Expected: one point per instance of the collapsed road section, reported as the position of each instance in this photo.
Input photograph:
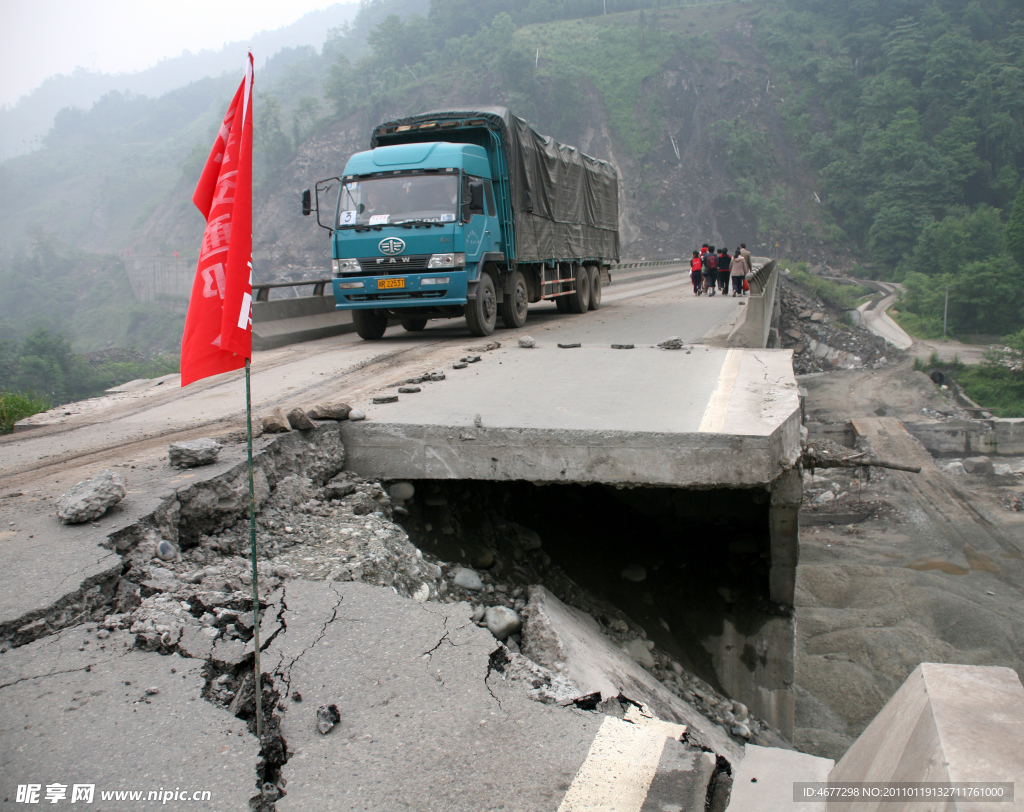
(696, 447)
(154, 675)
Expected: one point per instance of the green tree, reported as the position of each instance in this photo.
(945, 246)
(1014, 234)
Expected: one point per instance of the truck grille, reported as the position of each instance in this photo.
(388, 266)
(380, 297)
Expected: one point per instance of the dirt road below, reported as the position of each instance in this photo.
(900, 568)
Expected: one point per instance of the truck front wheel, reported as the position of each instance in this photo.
(412, 326)
(482, 312)
(370, 324)
(579, 299)
(515, 304)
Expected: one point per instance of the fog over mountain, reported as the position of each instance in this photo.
(23, 125)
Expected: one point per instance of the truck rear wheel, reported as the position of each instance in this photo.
(414, 325)
(579, 299)
(370, 324)
(482, 312)
(595, 287)
(515, 305)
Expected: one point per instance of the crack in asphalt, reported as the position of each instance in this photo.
(46, 676)
(286, 674)
(430, 652)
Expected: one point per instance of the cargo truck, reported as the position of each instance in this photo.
(466, 213)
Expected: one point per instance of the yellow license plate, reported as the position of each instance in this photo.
(384, 284)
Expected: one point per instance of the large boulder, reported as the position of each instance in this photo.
(329, 411)
(979, 465)
(299, 421)
(91, 499)
(275, 422)
(193, 453)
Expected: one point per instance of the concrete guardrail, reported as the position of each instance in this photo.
(758, 322)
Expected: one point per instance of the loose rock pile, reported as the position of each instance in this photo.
(820, 340)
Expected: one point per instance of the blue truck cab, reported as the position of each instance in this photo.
(424, 227)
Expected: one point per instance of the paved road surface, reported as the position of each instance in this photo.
(130, 431)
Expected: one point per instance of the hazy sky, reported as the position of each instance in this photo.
(39, 38)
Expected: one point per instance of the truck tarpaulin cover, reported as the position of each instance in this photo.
(565, 203)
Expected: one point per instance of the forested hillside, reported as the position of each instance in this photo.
(911, 114)
(876, 137)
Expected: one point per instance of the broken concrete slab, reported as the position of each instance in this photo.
(725, 418)
(763, 781)
(570, 643)
(75, 709)
(436, 676)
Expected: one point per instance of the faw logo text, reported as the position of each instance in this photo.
(392, 260)
(391, 245)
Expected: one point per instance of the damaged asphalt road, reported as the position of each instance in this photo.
(411, 683)
(148, 688)
(424, 723)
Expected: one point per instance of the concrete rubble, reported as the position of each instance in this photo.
(193, 453)
(92, 498)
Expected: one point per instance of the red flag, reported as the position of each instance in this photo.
(218, 325)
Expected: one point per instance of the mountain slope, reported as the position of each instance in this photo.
(24, 124)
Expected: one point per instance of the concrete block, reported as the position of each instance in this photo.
(946, 723)
(763, 781)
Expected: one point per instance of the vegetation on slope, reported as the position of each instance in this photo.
(910, 114)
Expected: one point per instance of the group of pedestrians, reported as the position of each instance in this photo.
(711, 270)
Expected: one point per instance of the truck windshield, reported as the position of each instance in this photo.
(401, 199)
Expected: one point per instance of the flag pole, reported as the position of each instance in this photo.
(258, 683)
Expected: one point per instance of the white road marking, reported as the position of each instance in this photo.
(618, 770)
(642, 716)
(718, 406)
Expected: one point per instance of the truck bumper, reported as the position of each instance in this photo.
(412, 292)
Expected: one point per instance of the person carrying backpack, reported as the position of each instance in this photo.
(696, 267)
(710, 271)
(724, 261)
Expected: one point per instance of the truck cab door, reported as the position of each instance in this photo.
(480, 228)
(493, 226)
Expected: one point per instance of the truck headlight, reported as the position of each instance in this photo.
(349, 285)
(340, 266)
(446, 261)
(435, 280)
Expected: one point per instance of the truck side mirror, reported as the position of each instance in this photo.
(307, 203)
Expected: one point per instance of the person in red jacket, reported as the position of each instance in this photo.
(696, 270)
